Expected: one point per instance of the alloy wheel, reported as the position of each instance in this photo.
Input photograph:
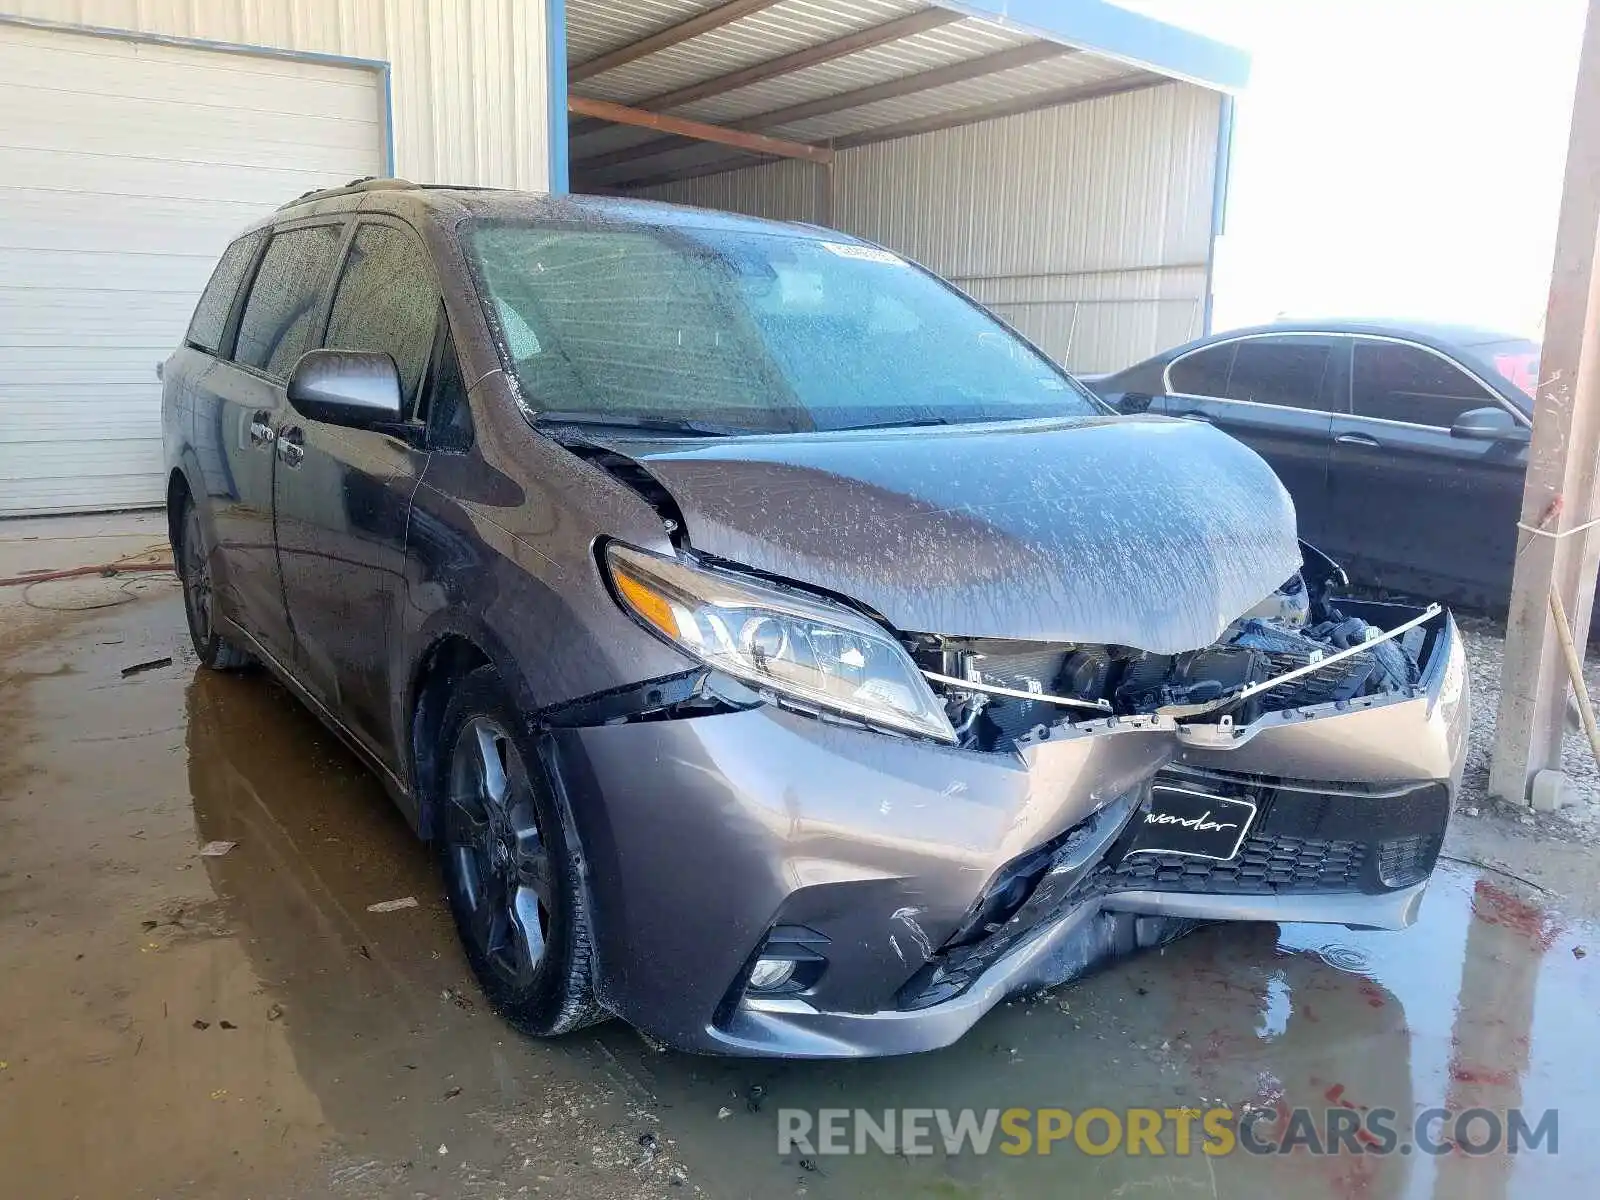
(500, 867)
(196, 576)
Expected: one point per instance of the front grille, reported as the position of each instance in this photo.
(1267, 864)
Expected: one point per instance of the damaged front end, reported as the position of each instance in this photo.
(970, 722)
(1294, 650)
(880, 890)
(1282, 798)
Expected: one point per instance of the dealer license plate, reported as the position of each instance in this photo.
(1196, 824)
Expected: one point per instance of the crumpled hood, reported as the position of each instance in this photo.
(1134, 531)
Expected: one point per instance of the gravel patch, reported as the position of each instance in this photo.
(1485, 643)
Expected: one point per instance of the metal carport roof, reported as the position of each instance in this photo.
(805, 77)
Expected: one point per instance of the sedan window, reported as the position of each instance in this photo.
(1281, 372)
(1516, 360)
(1203, 373)
(1396, 382)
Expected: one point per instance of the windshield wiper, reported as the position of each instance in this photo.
(905, 423)
(650, 424)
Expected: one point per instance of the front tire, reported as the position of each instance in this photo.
(193, 561)
(508, 858)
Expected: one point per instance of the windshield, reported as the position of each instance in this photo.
(1516, 360)
(748, 331)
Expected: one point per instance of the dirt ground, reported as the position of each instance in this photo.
(175, 1023)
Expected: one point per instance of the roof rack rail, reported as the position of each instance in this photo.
(367, 183)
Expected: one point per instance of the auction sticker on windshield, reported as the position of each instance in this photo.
(1196, 824)
(864, 253)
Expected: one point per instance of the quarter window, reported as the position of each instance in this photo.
(1205, 372)
(285, 299)
(1276, 371)
(386, 303)
(449, 417)
(1405, 383)
(216, 302)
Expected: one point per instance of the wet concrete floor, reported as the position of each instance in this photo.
(180, 1025)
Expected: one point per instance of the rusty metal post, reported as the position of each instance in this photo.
(1560, 494)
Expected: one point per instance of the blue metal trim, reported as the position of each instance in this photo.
(381, 66)
(1103, 28)
(555, 25)
(1219, 200)
(193, 43)
(386, 81)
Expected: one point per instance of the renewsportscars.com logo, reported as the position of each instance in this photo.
(1166, 1131)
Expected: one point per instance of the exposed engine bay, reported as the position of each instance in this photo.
(1294, 649)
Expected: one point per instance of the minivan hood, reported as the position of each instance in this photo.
(1133, 531)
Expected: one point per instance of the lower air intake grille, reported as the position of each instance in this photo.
(1407, 860)
(1268, 863)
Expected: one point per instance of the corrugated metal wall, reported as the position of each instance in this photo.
(468, 76)
(1086, 226)
(790, 189)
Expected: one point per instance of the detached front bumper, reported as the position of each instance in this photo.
(931, 882)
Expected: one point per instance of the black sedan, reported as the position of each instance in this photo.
(1404, 446)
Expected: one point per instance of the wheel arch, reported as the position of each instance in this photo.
(178, 487)
(452, 655)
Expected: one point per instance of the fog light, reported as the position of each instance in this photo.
(770, 973)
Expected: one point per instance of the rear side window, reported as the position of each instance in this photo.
(285, 300)
(216, 302)
(1205, 372)
(1405, 383)
(386, 303)
(1272, 371)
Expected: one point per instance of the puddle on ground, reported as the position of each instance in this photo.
(179, 1025)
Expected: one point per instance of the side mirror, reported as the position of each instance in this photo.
(346, 387)
(1490, 425)
(1132, 403)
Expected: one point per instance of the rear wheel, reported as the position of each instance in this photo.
(507, 856)
(194, 569)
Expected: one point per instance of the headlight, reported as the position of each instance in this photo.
(818, 653)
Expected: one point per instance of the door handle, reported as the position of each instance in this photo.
(1195, 416)
(1356, 439)
(291, 445)
(261, 428)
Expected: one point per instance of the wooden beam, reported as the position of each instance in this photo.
(964, 116)
(957, 72)
(908, 85)
(715, 18)
(1561, 491)
(808, 56)
(754, 143)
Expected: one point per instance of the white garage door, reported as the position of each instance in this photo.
(125, 168)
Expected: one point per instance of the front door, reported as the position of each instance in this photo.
(246, 407)
(1273, 393)
(1416, 508)
(343, 495)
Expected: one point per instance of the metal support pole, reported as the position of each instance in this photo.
(1560, 491)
